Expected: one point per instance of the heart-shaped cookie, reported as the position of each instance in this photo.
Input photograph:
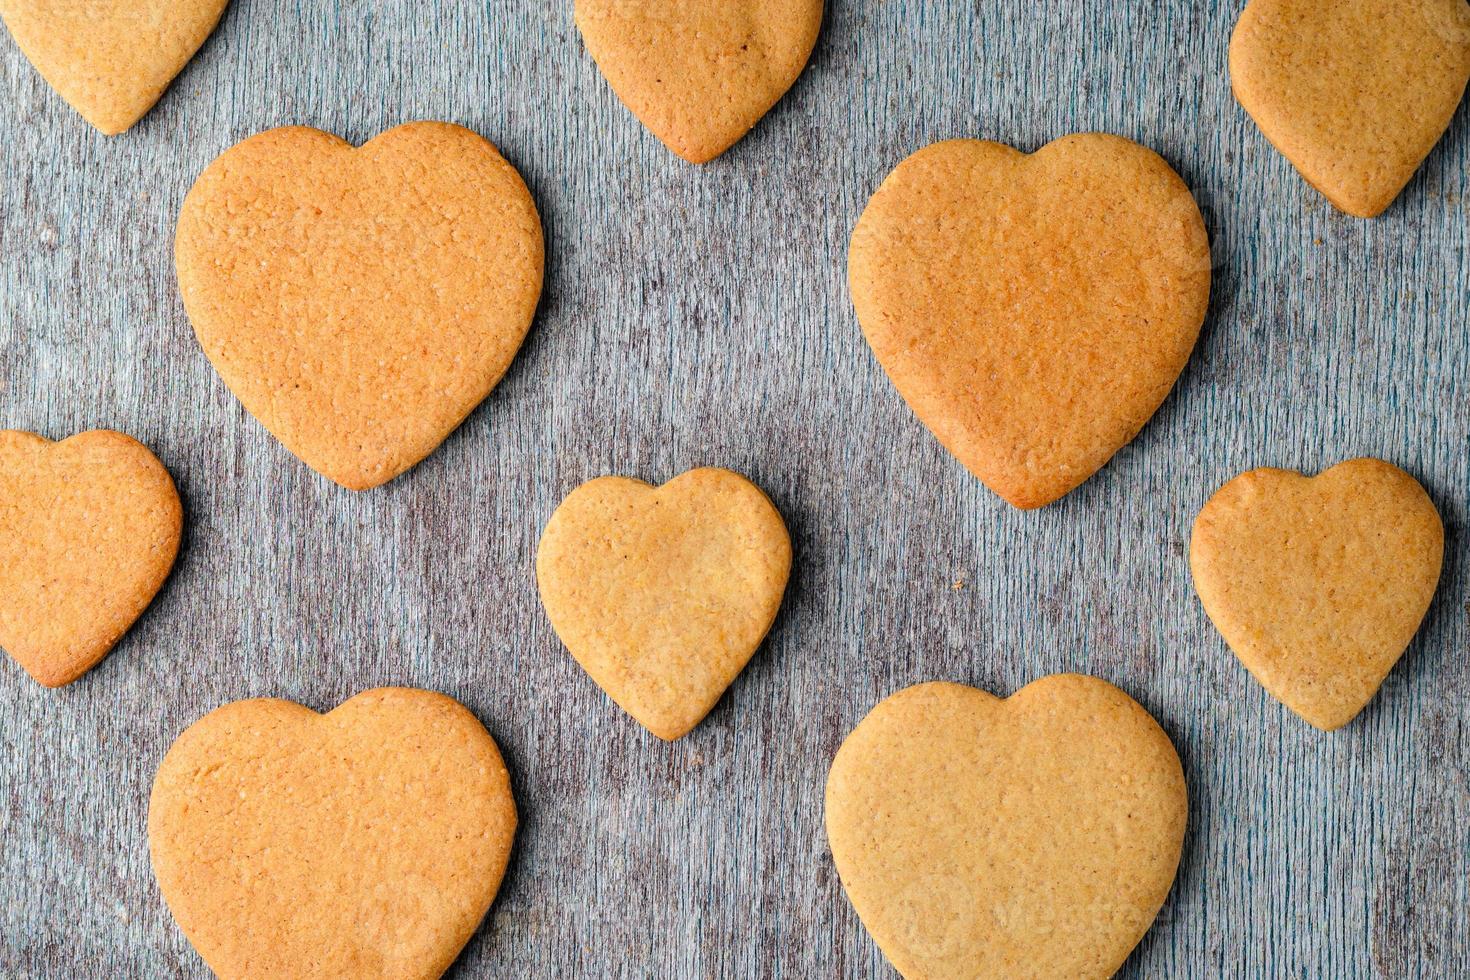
(366, 842)
(360, 302)
(663, 593)
(1318, 584)
(700, 73)
(110, 61)
(1035, 836)
(1033, 311)
(89, 528)
(1355, 93)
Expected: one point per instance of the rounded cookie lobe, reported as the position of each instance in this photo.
(700, 73)
(89, 529)
(366, 842)
(1036, 836)
(663, 594)
(360, 302)
(1355, 93)
(1319, 583)
(1033, 310)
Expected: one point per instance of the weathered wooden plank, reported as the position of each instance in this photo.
(701, 316)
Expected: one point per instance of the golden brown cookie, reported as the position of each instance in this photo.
(1035, 836)
(89, 528)
(700, 73)
(360, 302)
(1318, 584)
(663, 593)
(1355, 93)
(1033, 310)
(365, 842)
(110, 60)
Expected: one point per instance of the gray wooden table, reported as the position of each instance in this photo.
(700, 316)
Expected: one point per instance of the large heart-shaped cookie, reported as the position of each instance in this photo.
(700, 73)
(1355, 93)
(1318, 584)
(89, 528)
(663, 593)
(110, 60)
(366, 842)
(1032, 837)
(360, 302)
(1033, 311)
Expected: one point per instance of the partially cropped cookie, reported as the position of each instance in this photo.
(89, 529)
(662, 594)
(700, 73)
(360, 302)
(1035, 836)
(1355, 93)
(1319, 583)
(367, 842)
(1033, 310)
(110, 61)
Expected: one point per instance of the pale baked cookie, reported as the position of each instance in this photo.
(110, 59)
(1355, 93)
(699, 73)
(360, 302)
(89, 528)
(663, 593)
(1318, 584)
(1035, 836)
(366, 842)
(1033, 310)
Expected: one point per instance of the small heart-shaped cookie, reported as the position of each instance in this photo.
(89, 528)
(1355, 93)
(1035, 836)
(1318, 584)
(366, 842)
(1033, 311)
(360, 302)
(700, 73)
(663, 593)
(110, 61)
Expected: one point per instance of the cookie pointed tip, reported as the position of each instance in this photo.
(52, 678)
(668, 731)
(109, 123)
(699, 156)
(1325, 721)
(1026, 499)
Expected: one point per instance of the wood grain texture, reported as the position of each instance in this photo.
(700, 317)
